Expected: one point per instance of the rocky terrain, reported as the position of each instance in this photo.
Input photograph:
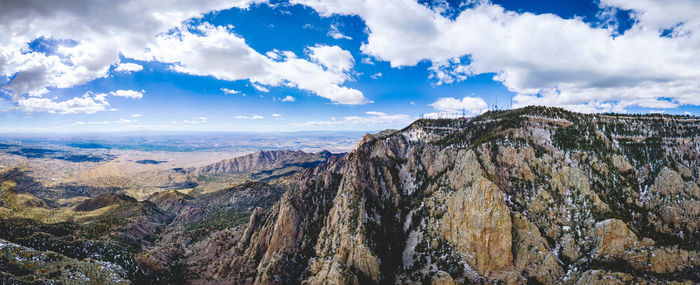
(533, 195)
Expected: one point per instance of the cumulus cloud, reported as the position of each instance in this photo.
(128, 94)
(87, 40)
(128, 67)
(288, 99)
(332, 57)
(89, 103)
(210, 50)
(253, 117)
(470, 105)
(544, 59)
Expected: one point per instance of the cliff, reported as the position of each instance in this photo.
(529, 195)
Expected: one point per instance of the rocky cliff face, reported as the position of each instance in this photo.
(530, 195)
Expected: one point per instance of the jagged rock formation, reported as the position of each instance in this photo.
(530, 195)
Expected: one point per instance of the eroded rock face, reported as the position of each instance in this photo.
(530, 195)
(477, 222)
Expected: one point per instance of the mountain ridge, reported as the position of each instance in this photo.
(263, 160)
(474, 197)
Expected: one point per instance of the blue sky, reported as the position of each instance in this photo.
(338, 65)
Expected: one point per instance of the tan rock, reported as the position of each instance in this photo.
(613, 238)
(477, 222)
(532, 257)
(604, 277)
(677, 201)
(332, 273)
(621, 164)
(442, 278)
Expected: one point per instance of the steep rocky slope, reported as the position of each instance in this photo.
(536, 195)
(114, 238)
(265, 163)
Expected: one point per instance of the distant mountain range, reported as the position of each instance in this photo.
(265, 163)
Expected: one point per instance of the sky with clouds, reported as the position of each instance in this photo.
(270, 66)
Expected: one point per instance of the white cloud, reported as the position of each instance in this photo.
(374, 119)
(288, 99)
(210, 51)
(336, 34)
(253, 117)
(196, 120)
(681, 15)
(136, 115)
(376, 75)
(470, 105)
(231, 91)
(332, 57)
(543, 58)
(128, 94)
(89, 40)
(276, 115)
(260, 88)
(120, 121)
(273, 54)
(128, 67)
(89, 103)
(78, 123)
(124, 121)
